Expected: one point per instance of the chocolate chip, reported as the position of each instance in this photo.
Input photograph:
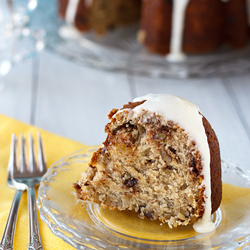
(145, 213)
(169, 167)
(193, 163)
(148, 215)
(131, 182)
(127, 126)
(172, 150)
(193, 167)
(76, 186)
(93, 167)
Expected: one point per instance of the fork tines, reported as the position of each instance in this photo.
(34, 168)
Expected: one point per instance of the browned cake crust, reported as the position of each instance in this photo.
(155, 30)
(204, 25)
(215, 165)
(237, 34)
(151, 168)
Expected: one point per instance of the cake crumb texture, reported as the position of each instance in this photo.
(152, 167)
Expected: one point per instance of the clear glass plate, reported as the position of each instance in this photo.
(119, 50)
(86, 226)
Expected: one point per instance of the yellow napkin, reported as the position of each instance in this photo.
(55, 148)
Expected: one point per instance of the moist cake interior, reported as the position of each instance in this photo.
(150, 167)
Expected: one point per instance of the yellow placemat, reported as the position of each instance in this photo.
(55, 148)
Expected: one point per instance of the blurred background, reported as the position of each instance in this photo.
(67, 83)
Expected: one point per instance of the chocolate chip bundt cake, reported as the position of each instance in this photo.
(161, 159)
(168, 27)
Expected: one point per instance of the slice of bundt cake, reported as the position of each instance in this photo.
(161, 158)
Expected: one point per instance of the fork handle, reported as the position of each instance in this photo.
(9, 231)
(35, 242)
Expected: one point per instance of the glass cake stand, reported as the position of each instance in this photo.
(119, 50)
(86, 226)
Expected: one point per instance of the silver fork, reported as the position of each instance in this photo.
(6, 242)
(30, 177)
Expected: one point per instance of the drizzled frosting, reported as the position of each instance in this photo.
(178, 16)
(71, 11)
(187, 115)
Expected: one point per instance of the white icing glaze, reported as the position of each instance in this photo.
(71, 11)
(186, 115)
(178, 18)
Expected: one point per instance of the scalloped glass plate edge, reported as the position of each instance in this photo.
(94, 239)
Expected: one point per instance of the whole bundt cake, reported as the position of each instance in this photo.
(171, 27)
(161, 159)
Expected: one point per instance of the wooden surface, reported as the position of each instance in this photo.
(73, 101)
